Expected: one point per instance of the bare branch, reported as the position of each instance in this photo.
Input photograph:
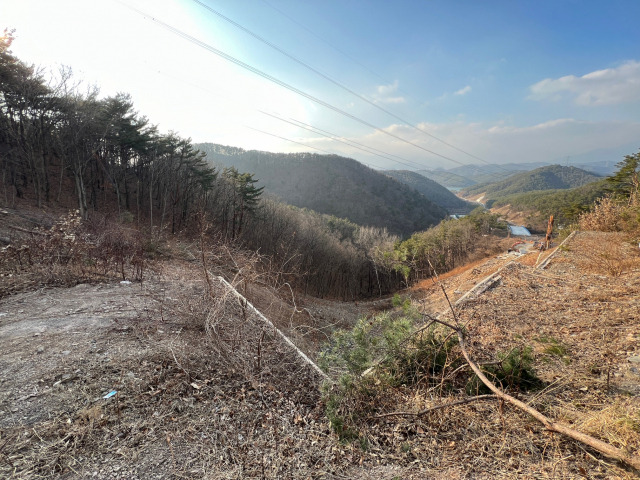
(602, 447)
(438, 407)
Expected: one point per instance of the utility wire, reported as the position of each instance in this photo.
(304, 145)
(351, 143)
(283, 84)
(318, 131)
(304, 27)
(415, 165)
(332, 80)
(294, 123)
(311, 128)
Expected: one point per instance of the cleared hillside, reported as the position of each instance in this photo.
(564, 204)
(552, 177)
(432, 190)
(333, 185)
(208, 391)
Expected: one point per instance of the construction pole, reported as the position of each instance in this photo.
(547, 239)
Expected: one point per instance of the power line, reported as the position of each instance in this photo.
(330, 79)
(351, 143)
(354, 60)
(283, 84)
(303, 144)
(367, 146)
(311, 128)
(289, 140)
(318, 131)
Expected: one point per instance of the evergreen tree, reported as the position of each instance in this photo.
(245, 197)
(626, 181)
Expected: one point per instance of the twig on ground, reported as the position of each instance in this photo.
(602, 447)
(438, 407)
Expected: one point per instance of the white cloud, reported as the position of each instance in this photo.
(384, 92)
(387, 89)
(392, 100)
(463, 91)
(603, 87)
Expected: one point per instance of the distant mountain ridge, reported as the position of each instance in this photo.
(333, 185)
(551, 177)
(433, 191)
(465, 176)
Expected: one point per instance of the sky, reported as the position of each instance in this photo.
(403, 84)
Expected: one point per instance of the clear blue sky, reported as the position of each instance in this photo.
(503, 81)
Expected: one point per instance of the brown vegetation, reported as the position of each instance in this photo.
(71, 252)
(581, 328)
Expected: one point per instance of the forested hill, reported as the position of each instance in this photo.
(544, 178)
(432, 190)
(334, 185)
(467, 175)
(447, 179)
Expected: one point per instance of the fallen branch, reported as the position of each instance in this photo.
(35, 232)
(437, 407)
(602, 447)
(247, 304)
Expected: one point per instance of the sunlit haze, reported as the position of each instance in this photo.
(545, 81)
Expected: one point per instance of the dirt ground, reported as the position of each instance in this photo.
(180, 410)
(184, 410)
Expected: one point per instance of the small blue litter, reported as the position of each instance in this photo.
(110, 394)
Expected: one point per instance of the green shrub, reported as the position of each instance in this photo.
(353, 351)
(404, 302)
(423, 358)
(553, 346)
(513, 371)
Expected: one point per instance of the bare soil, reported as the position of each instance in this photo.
(183, 411)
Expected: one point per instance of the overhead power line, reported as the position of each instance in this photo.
(333, 46)
(349, 142)
(303, 144)
(289, 140)
(337, 49)
(332, 80)
(283, 84)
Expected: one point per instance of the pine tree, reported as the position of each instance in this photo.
(245, 197)
(626, 181)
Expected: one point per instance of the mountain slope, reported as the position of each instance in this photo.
(334, 185)
(432, 190)
(565, 204)
(467, 175)
(447, 179)
(551, 177)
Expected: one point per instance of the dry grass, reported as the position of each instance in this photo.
(613, 258)
(183, 410)
(614, 215)
(582, 324)
(617, 424)
(72, 252)
(237, 404)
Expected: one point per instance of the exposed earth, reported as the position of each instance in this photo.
(182, 409)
